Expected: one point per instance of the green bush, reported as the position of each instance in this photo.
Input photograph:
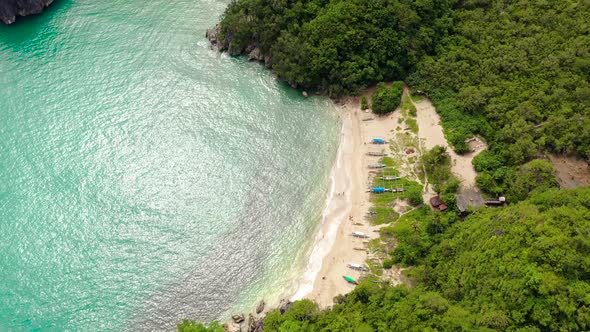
(486, 161)
(386, 99)
(337, 47)
(388, 263)
(415, 197)
(364, 103)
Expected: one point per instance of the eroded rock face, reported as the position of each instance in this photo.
(256, 54)
(10, 9)
(232, 327)
(223, 44)
(254, 324)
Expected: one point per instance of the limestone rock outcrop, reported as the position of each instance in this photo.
(10, 9)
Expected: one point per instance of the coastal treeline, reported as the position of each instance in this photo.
(338, 47)
(522, 268)
(514, 72)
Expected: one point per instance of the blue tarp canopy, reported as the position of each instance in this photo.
(378, 140)
(378, 190)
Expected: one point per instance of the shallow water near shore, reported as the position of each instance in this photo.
(144, 177)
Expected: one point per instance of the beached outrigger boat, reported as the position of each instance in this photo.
(390, 178)
(376, 154)
(360, 235)
(378, 141)
(377, 166)
(377, 190)
(357, 267)
(350, 280)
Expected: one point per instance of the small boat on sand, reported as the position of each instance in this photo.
(390, 178)
(357, 267)
(377, 166)
(360, 235)
(350, 280)
(378, 141)
(376, 154)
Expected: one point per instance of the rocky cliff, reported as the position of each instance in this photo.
(223, 43)
(10, 9)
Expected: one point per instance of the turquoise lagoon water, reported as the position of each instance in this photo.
(144, 177)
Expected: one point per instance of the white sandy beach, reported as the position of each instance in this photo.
(335, 247)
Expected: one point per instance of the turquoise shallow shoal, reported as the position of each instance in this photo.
(143, 176)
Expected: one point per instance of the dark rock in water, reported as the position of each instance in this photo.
(238, 318)
(260, 307)
(232, 50)
(10, 9)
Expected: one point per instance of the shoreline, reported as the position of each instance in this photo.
(334, 245)
(335, 210)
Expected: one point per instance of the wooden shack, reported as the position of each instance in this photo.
(435, 201)
(438, 204)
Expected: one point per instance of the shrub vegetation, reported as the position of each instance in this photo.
(386, 99)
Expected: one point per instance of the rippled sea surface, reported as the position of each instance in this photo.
(145, 178)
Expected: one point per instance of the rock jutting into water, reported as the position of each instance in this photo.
(10, 9)
(223, 43)
(238, 318)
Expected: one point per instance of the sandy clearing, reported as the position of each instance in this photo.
(571, 171)
(431, 134)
